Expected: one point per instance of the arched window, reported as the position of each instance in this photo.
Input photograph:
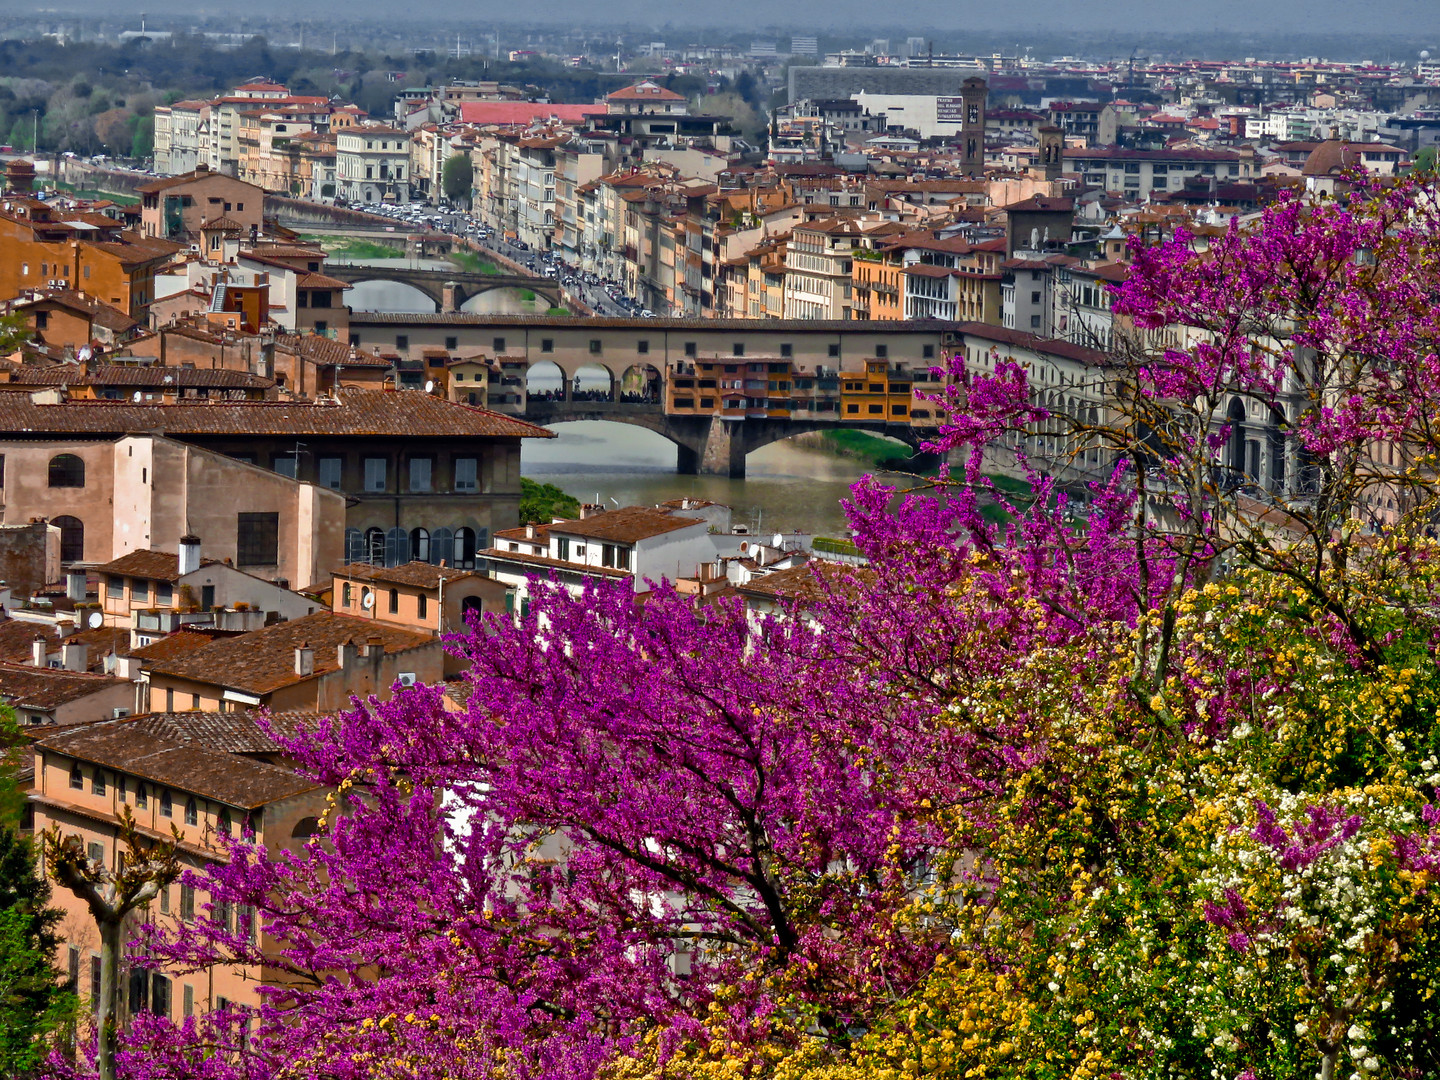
(67, 471)
(354, 546)
(440, 542)
(166, 807)
(77, 778)
(397, 547)
(347, 594)
(142, 796)
(306, 826)
(72, 538)
(470, 605)
(97, 785)
(464, 547)
(374, 547)
(192, 812)
(222, 824)
(420, 545)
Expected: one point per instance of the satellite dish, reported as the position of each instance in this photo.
(95, 621)
(777, 541)
(135, 397)
(429, 386)
(84, 353)
(367, 601)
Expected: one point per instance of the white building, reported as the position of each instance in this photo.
(372, 164)
(634, 543)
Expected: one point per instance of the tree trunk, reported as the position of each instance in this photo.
(107, 1010)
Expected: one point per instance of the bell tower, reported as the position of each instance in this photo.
(1052, 151)
(972, 126)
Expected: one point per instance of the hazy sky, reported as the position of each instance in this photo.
(1416, 21)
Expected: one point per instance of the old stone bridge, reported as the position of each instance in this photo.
(709, 445)
(449, 289)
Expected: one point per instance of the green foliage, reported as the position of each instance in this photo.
(456, 177)
(541, 504)
(14, 331)
(1424, 160)
(142, 142)
(33, 1005)
(14, 753)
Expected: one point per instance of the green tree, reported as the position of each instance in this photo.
(456, 177)
(1425, 158)
(541, 504)
(142, 144)
(33, 1004)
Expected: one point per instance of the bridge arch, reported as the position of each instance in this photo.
(365, 295)
(642, 384)
(592, 381)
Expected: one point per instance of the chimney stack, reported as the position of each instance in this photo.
(346, 654)
(189, 554)
(38, 651)
(74, 656)
(374, 648)
(305, 659)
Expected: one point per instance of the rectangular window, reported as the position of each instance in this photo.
(547, 345)
(642, 347)
(159, 995)
(374, 474)
(394, 601)
(452, 343)
(420, 470)
(737, 349)
(882, 352)
(467, 474)
(73, 985)
(499, 344)
(690, 349)
(188, 999)
(422, 606)
(284, 464)
(95, 852)
(927, 352)
(787, 350)
(596, 345)
(115, 588)
(562, 548)
(97, 785)
(330, 470)
(187, 901)
(257, 541)
(402, 341)
(166, 807)
(165, 900)
(834, 350)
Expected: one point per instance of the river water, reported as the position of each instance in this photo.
(788, 487)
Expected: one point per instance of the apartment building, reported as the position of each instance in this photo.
(49, 247)
(177, 136)
(818, 269)
(174, 208)
(205, 775)
(635, 544)
(372, 164)
(1139, 174)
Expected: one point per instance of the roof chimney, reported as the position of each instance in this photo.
(374, 647)
(38, 651)
(345, 654)
(74, 656)
(189, 554)
(304, 659)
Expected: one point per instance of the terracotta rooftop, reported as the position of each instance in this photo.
(179, 643)
(17, 635)
(127, 746)
(264, 660)
(627, 525)
(231, 732)
(101, 314)
(156, 376)
(403, 413)
(421, 575)
(24, 685)
(145, 563)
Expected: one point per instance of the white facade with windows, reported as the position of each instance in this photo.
(372, 165)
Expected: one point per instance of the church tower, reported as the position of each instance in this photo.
(972, 126)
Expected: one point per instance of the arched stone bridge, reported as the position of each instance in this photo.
(709, 445)
(449, 289)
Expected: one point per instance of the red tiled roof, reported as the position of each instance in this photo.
(645, 91)
(627, 525)
(264, 660)
(418, 574)
(402, 413)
